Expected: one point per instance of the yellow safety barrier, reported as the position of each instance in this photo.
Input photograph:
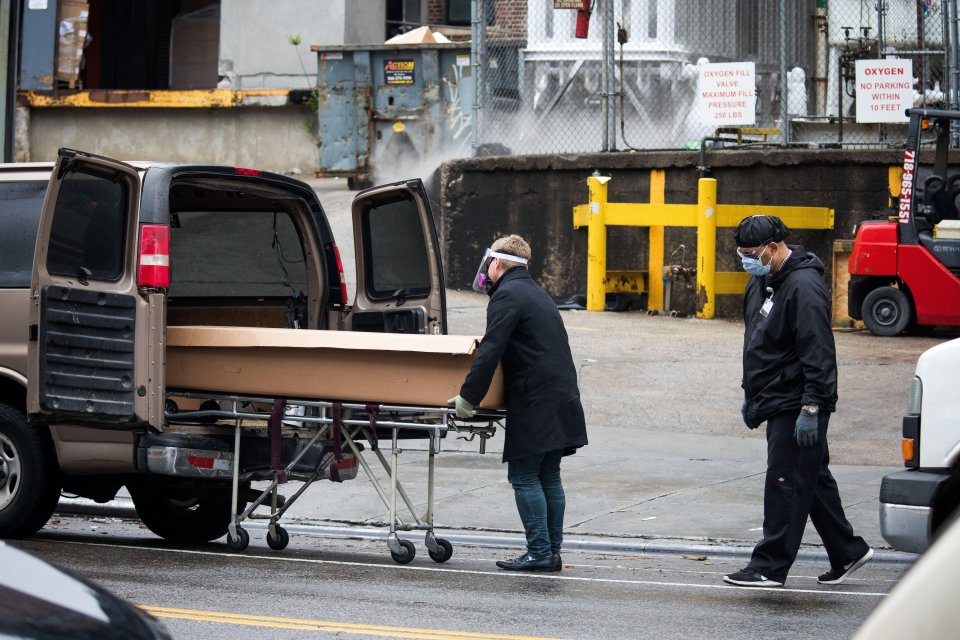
(706, 215)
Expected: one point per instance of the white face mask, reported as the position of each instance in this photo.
(482, 281)
(754, 264)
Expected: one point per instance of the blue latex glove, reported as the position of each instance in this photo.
(464, 408)
(746, 420)
(806, 430)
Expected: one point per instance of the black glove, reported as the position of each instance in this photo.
(806, 430)
(746, 420)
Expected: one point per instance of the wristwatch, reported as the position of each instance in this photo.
(810, 409)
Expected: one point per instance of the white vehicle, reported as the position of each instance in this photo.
(916, 503)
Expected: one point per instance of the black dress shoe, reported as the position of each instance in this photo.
(527, 562)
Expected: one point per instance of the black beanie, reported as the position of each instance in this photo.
(754, 231)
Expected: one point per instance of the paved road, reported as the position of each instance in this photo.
(327, 588)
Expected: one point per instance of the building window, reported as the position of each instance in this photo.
(403, 16)
(458, 11)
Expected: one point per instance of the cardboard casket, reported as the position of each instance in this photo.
(383, 368)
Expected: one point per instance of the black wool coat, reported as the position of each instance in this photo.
(789, 356)
(526, 334)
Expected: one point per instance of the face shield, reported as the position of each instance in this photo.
(482, 281)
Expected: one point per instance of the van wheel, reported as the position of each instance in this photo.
(29, 478)
(182, 518)
(886, 311)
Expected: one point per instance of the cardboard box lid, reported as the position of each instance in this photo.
(239, 337)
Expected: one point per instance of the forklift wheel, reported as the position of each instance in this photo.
(886, 311)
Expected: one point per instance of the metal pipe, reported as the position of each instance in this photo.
(954, 71)
(609, 34)
(822, 56)
(475, 63)
(605, 74)
(784, 101)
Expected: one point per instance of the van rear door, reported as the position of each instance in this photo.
(400, 287)
(95, 353)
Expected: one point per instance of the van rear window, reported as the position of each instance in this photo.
(396, 258)
(89, 227)
(19, 217)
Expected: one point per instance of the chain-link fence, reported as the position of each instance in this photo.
(632, 82)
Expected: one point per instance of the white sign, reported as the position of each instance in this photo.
(884, 90)
(727, 94)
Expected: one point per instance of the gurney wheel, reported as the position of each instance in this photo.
(409, 553)
(283, 539)
(446, 550)
(242, 541)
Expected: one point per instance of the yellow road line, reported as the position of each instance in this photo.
(326, 625)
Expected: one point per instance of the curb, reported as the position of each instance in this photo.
(123, 508)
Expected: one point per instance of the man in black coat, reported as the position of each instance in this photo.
(544, 416)
(790, 382)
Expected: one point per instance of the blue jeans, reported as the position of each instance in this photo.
(540, 500)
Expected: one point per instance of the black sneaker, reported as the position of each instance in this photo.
(528, 562)
(836, 576)
(750, 578)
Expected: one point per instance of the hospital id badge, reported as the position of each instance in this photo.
(767, 305)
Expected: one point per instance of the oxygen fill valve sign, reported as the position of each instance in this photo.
(884, 90)
(727, 94)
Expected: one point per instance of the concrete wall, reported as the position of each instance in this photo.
(270, 138)
(484, 198)
(254, 48)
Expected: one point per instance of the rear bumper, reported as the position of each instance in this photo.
(906, 508)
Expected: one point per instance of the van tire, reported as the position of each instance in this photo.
(30, 488)
(182, 518)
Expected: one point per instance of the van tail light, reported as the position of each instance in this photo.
(244, 171)
(344, 300)
(153, 268)
(909, 450)
(910, 445)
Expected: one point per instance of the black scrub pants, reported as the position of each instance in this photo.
(799, 484)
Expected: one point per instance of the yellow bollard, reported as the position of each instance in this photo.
(597, 243)
(706, 247)
(655, 235)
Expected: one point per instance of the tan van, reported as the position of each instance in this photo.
(125, 249)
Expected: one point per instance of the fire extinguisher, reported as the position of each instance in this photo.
(583, 19)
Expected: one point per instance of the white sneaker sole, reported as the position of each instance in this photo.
(846, 574)
(766, 582)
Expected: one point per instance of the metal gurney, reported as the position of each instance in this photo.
(329, 439)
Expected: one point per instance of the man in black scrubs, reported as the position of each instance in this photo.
(790, 382)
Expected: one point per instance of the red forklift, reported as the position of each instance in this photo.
(905, 269)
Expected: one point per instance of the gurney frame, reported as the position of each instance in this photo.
(343, 423)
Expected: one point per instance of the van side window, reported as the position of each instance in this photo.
(22, 202)
(89, 227)
(397, 260)
(236, 254)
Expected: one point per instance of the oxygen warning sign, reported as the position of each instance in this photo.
(398, 72)
(727, 94)
(884, 90)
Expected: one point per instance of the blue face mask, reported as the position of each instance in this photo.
(754, 265)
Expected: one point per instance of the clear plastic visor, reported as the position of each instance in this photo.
(482, 281)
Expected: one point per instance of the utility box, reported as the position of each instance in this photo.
(392, 111)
